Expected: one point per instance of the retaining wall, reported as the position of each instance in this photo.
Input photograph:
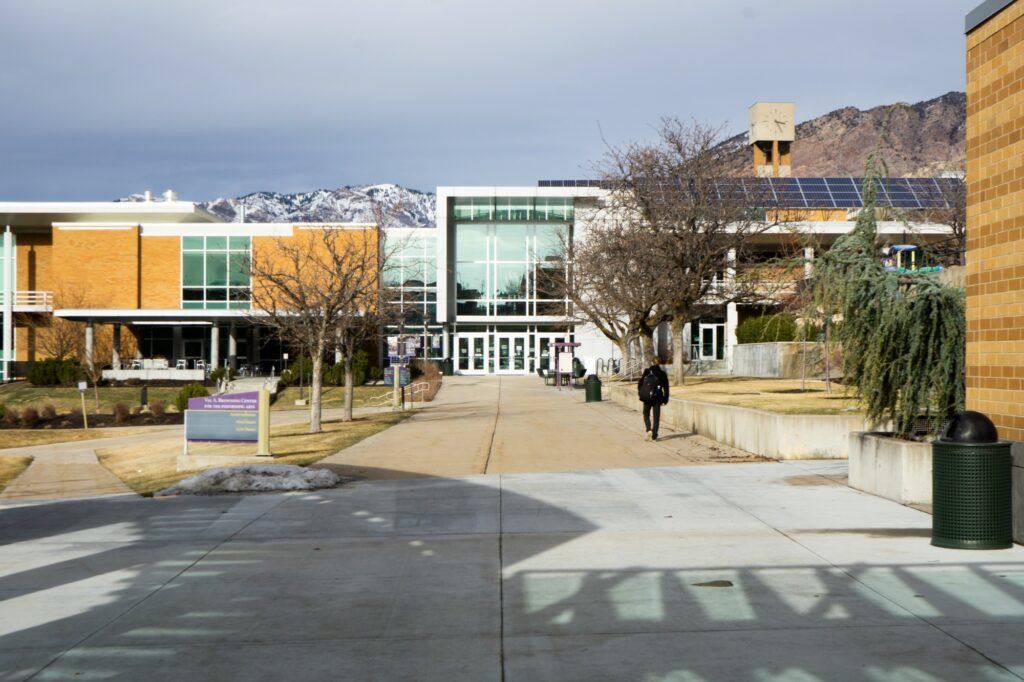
(770, 434)
(896, 469)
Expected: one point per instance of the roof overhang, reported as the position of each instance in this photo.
(169, 316)
(45, 213)
(983, 12)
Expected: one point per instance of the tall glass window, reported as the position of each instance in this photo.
(410, 276)
(216, 272)
(510, 269)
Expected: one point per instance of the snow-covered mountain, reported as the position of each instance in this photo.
(405, 207)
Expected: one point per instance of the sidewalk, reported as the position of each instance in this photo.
(516, 424)
(748, 572)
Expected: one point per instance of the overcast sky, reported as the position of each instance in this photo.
(102, 98)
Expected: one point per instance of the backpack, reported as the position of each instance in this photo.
(650, 388)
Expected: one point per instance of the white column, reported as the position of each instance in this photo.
(115, 354)
(214, 346)
(808, 262)
(731, 319)
(255, 352)
(731, 314)
(89, 344)
(446, 342)
(687, 341)
(8, 294)
(232, 346)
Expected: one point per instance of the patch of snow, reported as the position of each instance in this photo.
(253, 478)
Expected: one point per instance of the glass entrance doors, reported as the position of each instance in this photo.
(545, 352)
(472, 353)
(510, 354)
(712, 341)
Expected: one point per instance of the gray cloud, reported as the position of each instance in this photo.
(106, 97)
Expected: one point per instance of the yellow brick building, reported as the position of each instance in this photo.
(154, 282)
(995, 213)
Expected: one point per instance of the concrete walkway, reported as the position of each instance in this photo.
(516, 424)
(747, 572)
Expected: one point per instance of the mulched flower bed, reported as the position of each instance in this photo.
(69, 421)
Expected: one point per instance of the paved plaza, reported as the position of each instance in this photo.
(719, 572)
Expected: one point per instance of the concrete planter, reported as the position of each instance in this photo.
(899, 470)
(770, 434)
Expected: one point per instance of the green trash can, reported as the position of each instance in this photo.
(447, 367)
(971, 486)
(592, 386)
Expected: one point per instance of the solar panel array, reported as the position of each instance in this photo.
(824, 193)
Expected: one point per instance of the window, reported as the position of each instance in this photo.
(216, 272)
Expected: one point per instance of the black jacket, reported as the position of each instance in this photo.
(657, 371)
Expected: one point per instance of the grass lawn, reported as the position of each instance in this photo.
(775, 395)
(10, 467)
(148, 469)
(333, 396)
(18, 438)
(22, 394)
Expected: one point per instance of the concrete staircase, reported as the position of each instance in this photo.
(247, 384)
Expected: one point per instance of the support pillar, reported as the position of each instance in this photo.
(731, 322)
(255, 352)
(214, 346)
(446, 342)
(177, 347)
(232, 347)
(115, 351)
(731, 313)
(8, 300)
(89, 345)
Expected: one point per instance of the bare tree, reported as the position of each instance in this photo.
(316, 289)
(615, 283)
(698, 221)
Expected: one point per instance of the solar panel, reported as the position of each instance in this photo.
(818, 192)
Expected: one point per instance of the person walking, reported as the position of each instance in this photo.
(653, 391)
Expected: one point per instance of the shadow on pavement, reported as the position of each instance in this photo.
(469, 579)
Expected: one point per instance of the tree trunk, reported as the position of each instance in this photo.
(349, 387)
(96, 394)
(316, 385)
(678, 350)
(828, 360)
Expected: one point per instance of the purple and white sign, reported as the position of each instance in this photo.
(227, 401)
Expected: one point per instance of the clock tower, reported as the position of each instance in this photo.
(772, 131)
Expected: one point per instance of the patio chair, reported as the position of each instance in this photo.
(181, 363)
(199, 364)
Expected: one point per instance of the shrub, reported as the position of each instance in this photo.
(335, 374)
(3, 410)
(157, 407)
(137, 410)
(767, 328)
(121, 413)
(30, 416)
(10, 417)
(376, 373)
(53, 372)
(429, 372)
(219, 373)
(186, 392)
(49, 412)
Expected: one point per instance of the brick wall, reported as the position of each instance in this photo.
(995, 219)
(101, 266)
(160, 280)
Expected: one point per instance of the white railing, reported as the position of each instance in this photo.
(31, 299)
(629, 370)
